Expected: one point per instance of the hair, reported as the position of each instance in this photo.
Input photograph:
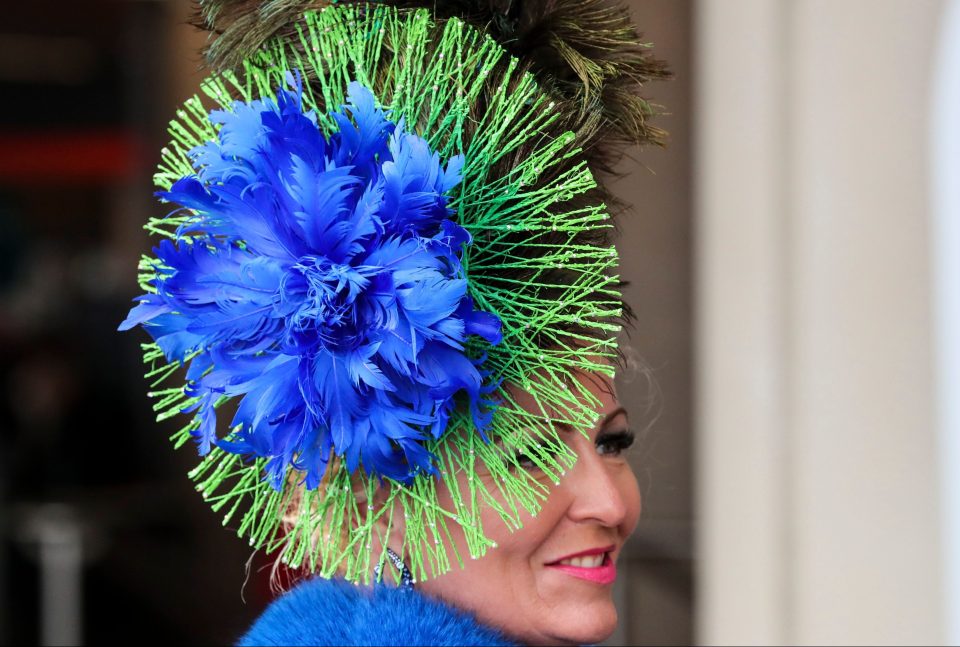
(282, 576)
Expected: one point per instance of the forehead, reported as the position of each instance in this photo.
(594, 390)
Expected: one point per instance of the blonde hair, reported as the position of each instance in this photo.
(282, 575)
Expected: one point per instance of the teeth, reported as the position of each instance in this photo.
(587, 561)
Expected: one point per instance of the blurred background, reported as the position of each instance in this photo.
(794, 258)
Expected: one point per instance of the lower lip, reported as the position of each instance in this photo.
(606, 573)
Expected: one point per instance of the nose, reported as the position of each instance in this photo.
(599, 489)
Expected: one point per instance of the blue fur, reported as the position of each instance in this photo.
(324, 612)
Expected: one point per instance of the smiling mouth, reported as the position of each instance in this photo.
(594, 566)
(586, 561)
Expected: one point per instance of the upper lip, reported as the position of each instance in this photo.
(585, 553)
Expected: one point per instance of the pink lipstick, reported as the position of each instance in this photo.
(603, 573)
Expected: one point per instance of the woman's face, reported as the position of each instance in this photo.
(551, 581)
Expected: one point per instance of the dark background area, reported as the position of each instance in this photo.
(102, 538)
(97, 517)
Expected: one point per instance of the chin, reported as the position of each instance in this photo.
(587, 626)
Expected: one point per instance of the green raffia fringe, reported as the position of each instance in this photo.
(430, 75)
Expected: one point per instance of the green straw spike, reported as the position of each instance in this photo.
(182, 435)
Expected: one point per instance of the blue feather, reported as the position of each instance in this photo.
(150, 306)
(319, 281)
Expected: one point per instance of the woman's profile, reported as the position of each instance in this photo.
(386, 301)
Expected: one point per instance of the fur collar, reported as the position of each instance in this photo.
(324, 612)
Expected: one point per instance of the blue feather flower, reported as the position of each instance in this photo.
(320, 282)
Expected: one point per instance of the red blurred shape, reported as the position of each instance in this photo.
(68, 156)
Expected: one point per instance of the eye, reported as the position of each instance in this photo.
(533, 459)
(525, 462)
(614, 443)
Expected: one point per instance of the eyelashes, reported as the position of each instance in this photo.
(526, 462)
(613, 444)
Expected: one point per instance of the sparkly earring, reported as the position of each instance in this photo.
(406, 579)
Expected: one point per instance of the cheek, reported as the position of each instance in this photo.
(632, 500)
(501, 588)
(498, 587)
(480, 583)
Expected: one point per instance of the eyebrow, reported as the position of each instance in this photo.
(621, 410)
(613, 414)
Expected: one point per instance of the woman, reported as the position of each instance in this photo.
(549, 583)
(392, 256)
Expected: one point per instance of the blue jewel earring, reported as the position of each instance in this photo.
(406, 579)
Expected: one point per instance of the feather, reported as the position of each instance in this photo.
(150, 306)
(588, 53)
(306, 279)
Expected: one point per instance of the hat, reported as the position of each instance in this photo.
(384, 224)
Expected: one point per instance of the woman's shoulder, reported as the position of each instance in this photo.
(334, 612)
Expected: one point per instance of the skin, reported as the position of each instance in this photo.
(596, 504)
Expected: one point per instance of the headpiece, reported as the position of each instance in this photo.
(385, 224)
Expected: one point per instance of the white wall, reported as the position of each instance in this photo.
(817, 449)
(945, 185)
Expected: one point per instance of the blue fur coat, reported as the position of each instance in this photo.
(324, 612)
